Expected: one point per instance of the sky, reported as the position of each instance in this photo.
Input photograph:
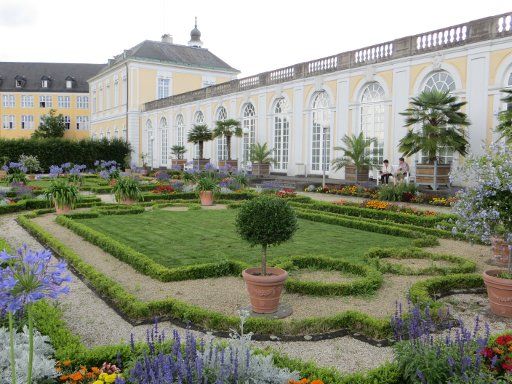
(252, 36)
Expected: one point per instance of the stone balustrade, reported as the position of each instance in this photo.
(489, 28)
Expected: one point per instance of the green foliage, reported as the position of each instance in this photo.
(398, 192)
(198, 135)
(355, 152)
(61, 193)
(207, 183)
(127, 188)
(378, 255)
(58, 151)
(31, 163)
(51, 126)
(227, 128)
(370, 280)
(442, 124)
(178, 151)
(266, 221)
(504, 127)
(260, 153)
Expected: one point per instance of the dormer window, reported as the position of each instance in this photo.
(19, 81)
(69, 82)
(45, 82)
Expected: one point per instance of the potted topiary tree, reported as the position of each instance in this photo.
(265, 221)
(206, 187)
(198, 135)
(484, 210)
(178, 151)
(228, 128)
(441, 125)
(127, 190)
(355, 159)
(504, 127)
(31, 163)
(261, 158)
(62, 195)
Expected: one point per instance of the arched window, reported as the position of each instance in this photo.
(249, 129)
(149, 136)
(198, 120)
(102, 135)
(372, 120)
(164, 142)
(281, 134)
(180, 130)
(222, 148)
(320, 139)
(108, 134)
(116, 133)
(440, 81)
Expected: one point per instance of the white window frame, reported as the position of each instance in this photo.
(69, 84)
(116, 92)
(27, 121)
(8, 101)
(82, 123)
(164, 141)
(222, 147)
(64, 102)
(372, 120)
(9, 122)
(320, 113)
(164, 87)
(67, 122)
(47, 100)
(45, 83)
(281, 134)
(249, 131)
(27, 101)
(180, 130)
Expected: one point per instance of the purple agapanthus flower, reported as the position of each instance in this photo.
(30, 276)
(55, 170)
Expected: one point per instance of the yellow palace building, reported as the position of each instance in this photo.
(29, 90)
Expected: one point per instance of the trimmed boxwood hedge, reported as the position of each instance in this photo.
(368, 282)
(22, 205)
(377, 256)
(59, 150)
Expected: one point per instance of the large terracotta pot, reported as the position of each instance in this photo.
(127, 201)
(62, 210)
(31, 176)
(499, 292)
(265, 291)
(206, 197)
(500, 251)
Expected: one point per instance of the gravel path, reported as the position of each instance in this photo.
(97, 324)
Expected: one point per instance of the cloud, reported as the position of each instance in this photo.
(16, 15)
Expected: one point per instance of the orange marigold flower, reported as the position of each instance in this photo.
(66, 363)
(64, 378)
(96, 370)
(317, 382)
(77, 376)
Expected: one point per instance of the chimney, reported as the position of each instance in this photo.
(166, 38)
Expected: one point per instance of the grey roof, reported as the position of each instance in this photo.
(56, 72)
(175, 54)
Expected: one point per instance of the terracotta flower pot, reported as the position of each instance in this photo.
(31, 176)
(206, 197)
(128, 201)
(265, 291)
(62, 210)
(499, 292)
(500, 251)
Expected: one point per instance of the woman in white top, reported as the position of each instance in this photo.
(385, 172)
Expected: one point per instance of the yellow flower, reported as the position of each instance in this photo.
(99, 382)
(110, 378)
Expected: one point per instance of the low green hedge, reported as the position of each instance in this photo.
(368, 282)
(193, 195)
(28, 204)
(377, 256)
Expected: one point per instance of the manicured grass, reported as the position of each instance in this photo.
(193, 237)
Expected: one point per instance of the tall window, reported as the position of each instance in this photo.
(82, 102)
(45, 102)
(116, 92)
(281, 134)
(440, 81)
(125, 91)
(372, 120)
(100, 100)
(249, 129)
(320, 140)
(164, 142)
(8, 122)
(94, 105)
(163, 88)
(27, 121)
(198, 119)
(63, 101)
(67, 122)
(82, 123)
(107, 96)
(108, 134)
(27, 101)
(149, 135)
(8, 101)
(116, 133)
(222, 148)
(180, 130)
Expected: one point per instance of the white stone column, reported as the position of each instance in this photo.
(296, 154)
(400, 102)
(342, 123)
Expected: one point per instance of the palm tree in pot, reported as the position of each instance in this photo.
(228, 128)
(504, 127)
(261, 157)
(178, 151)
(442, 124)
(198, 135)
(355, 159)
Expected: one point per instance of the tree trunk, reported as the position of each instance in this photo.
(228, 145)
(200, 143)
(357, 175)
(264, 260)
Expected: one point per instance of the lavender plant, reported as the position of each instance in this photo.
(484, 207)
(26, 277)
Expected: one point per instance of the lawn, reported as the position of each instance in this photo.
(201, 236)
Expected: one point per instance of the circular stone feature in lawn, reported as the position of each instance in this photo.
(362, 280)
(284, 310)
(415, 261)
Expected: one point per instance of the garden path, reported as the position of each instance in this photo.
(98, 324)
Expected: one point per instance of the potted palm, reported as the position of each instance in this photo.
(62, 195)
(483, 210)
(198, 135)
(228, 128)
(355, 159)
(441, 125)
(127, 190)
(504, 127)
(265, 221)
(206, 187)
(261, 158)
(178, 151)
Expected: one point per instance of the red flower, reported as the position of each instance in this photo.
(487, 352)
(507, 366)
(504, 339)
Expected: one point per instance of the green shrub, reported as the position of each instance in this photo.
(61, 193)
(398, 192)
(127, 188)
